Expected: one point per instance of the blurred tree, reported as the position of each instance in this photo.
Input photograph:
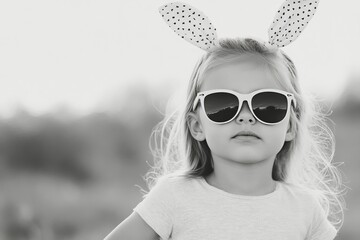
(81, 147)
(41, 144)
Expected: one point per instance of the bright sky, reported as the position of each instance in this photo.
(82, 53)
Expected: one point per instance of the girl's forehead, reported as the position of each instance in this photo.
(241, 76)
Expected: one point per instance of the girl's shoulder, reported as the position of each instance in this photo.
(299, 193)
(182, 184)
(165, 186)
(174, 181)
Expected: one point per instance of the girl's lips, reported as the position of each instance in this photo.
(246, 138)
(246, 134)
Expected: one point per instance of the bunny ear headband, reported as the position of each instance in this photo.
(192, 25)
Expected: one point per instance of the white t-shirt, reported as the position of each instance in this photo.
(182, 209)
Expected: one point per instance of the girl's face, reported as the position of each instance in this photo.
(244, 77)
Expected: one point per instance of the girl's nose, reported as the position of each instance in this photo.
(245, 115)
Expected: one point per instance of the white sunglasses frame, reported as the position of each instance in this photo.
(241, 97)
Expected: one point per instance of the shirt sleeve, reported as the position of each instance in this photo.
(157, 208)
(320, 228)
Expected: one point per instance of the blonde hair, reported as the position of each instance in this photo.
(306, 161)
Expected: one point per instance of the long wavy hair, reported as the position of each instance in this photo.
(305, 161)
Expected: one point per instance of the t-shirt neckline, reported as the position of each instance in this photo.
(233, 195)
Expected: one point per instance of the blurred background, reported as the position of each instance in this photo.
(82, 84)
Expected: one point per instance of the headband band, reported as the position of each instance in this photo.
(194, 26)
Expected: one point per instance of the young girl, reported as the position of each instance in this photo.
(248, 156)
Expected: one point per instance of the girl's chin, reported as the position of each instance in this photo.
(247, 161)
(245, 157)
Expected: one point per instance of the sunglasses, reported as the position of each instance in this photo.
(268, 106)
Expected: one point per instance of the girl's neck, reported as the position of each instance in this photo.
(243, 179)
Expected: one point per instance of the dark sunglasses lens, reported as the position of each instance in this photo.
(221, 107)
(269, 107)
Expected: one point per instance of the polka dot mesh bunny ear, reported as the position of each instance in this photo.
(190, 24)
(290, 20)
